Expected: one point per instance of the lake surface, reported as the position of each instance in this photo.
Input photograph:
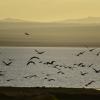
(49, 35)
(69, 67)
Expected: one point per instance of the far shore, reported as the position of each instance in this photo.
(41, 44)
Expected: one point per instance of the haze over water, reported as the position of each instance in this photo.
(80, 30)
(49, 35)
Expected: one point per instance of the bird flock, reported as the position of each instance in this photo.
(74, 69)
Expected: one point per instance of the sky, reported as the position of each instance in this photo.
(49, 10)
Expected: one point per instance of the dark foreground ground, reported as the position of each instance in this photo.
(12, 93)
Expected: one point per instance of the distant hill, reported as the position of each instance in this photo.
(88, 20)
(12, 20)
(82, 21)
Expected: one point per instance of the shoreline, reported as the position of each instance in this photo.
(51, 46)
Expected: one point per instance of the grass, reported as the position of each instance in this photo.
(17, 93)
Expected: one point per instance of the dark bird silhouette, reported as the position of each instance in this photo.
(60, 65)
(7, 63)
(98, 54)
(45, 78)
(83, 73)
(1, 74)
(51, 63)
(26, 33)
(81, 65)
(89, 83)
(30, 76)
(30, 62)
(38, 52)
(97, 71)
(80, 53)
(51, 79)
(1, 71)
(70, 67)
(90, 65)
(60, 72)
(74, 64)
(91, 50)
(34, 58)
(9, 80)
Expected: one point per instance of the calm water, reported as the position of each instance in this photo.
(72, 67)
(49, 35)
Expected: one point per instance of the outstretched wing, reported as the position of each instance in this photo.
(39, 52)
(30, 62)
(7, 64)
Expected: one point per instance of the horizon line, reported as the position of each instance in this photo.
(46, 21)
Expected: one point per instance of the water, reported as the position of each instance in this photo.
(67, 74)
(49, 35)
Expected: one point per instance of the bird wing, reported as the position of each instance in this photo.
(30, 62)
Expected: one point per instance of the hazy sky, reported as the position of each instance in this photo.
(49, 10)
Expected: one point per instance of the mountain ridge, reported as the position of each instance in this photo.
(87, 20)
